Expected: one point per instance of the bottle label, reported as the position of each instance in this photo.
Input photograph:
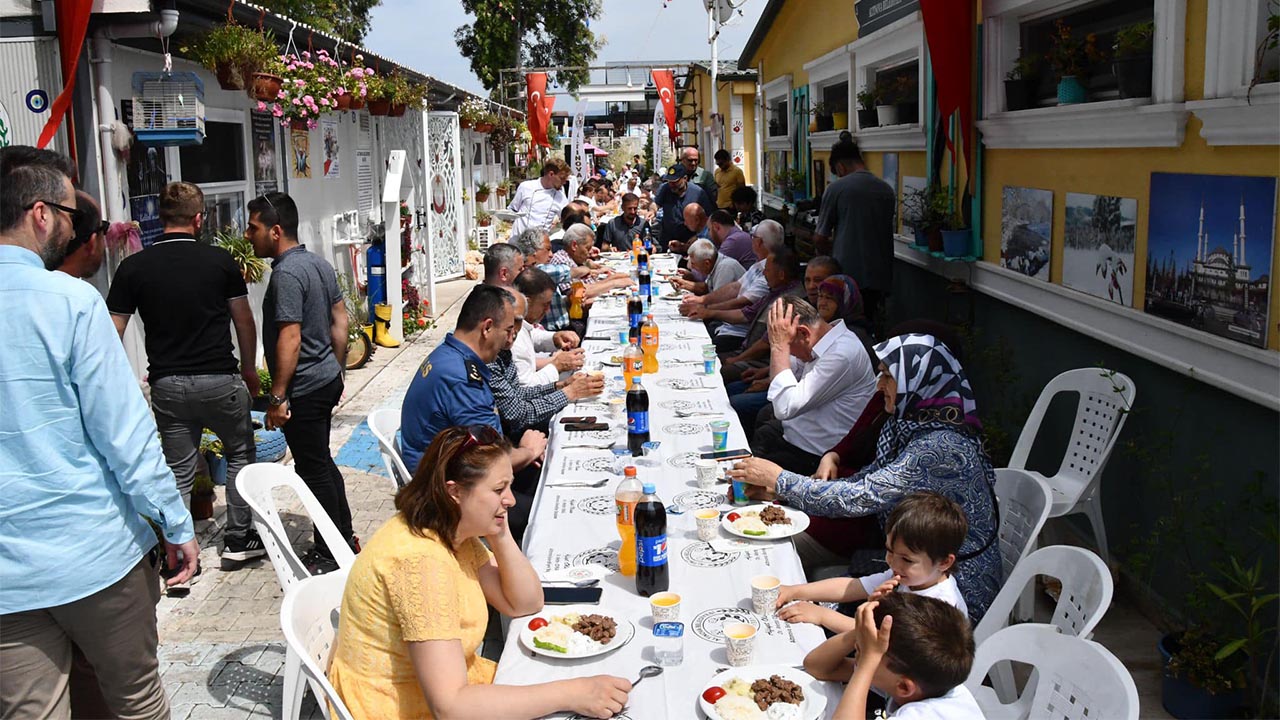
(635, 318)
(649, 340)
(626, 514)
(638, 421)
(634, 365)
(644, 289)
(651, 551)
(668, 629)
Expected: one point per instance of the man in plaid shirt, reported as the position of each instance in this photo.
(536, 246)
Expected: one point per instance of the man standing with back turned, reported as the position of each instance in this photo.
(304, 336)
(188, 293)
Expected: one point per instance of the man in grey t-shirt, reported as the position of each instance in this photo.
(304, 336)
(856, 226)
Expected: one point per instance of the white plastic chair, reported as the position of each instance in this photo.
(1105, 400)
(1075, 679)
(1084, 599)
(256, 484)
(385, 424)
(309, 619)
(1024, 501)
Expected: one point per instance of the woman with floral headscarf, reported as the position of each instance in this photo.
(928, 440)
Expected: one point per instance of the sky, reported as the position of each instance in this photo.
(633, 30)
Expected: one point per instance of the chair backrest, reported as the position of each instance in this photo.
(385, 424)
(256, 484)
(309, 619)
(1075, 679)
(1025, 501)
(1106, 397)
(1084, 599)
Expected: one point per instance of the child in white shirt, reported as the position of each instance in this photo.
(922, 536)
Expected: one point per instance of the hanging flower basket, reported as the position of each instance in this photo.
(342, 102)
(466, 123)
(266, 87)
(230, 76)
(484, 127)
(379, 107)
(397, 109)
(299, 124)
(482, 196)
(357, 103)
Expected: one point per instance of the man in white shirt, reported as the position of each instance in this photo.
(719, 270)
(538, 287)
(765, 238)
(538, 202)
(820, 381)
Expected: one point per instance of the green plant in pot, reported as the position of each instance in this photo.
(1264, 72)
(482, 192)
(483, 218)
(886, 102)
(486, 121)
(252, 267)
(929, 211)
(823, 115)
(202, 497)
(956, 236)
(1131, 61)
(1020, 83)
(1072, 59)
(867, 101)
(470, 111)
(233, 53)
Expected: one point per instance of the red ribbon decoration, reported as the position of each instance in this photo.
(949, 29)
(73, 25)
(666, 85)
(536, 91)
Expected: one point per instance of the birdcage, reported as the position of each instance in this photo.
(168, 108)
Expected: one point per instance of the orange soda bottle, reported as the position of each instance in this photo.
(625, 499)
(632, 362)
(649, 344)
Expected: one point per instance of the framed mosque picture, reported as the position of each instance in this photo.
(1209, 251)
(1098, 247)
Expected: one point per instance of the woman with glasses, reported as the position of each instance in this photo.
(414, 610)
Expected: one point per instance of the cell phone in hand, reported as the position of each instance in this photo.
(577, 420)
(738, 454)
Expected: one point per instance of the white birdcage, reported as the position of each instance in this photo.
(168, 108)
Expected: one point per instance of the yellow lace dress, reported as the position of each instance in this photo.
(404, 588)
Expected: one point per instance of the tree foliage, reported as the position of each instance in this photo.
(347, 19)
(551, 33)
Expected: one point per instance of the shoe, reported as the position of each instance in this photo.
(317, 563)
(244, 549)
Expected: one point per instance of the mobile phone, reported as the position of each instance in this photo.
(577, 420)
(586, 427)
(726, 455)
(571, 595)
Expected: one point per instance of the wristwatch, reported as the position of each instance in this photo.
(276, 400)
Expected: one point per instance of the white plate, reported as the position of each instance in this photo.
(815, 702)
(799, 523)
(626, 630)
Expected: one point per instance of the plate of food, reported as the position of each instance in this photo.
(763, 692)
(612, 361)
(576, 631)
(765, 522)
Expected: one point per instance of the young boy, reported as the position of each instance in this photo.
(916, 650)
(923, 535)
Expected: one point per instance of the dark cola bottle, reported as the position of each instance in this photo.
(653, 574)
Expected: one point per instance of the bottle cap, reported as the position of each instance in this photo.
(649, 488)
(629, 471)
(635, 381)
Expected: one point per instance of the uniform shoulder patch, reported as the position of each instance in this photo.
(473, 371)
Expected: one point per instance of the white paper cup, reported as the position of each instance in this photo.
(706, 471)
(665, 607)
(764, 594)
(740, 643)
(708, 523)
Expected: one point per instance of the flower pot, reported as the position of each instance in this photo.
(466, 123)
(955, 243)
(921, 238)
(397, 109)
(484, 127)
(908, 113)
(201, 506)
(500, 192)
(484, 223)
(1184, 700)
(826, 123)
(230, 77)
(379, 107)
(867, 118)
(357, 103)
(266, 87)
(1134, 76)
(269, 445)
(1070, 91)
(797, 195)
(217, 468)
(887, 114)
(297, 124)
(1017, 94)
(934, 234)
(482, 196)
(840, 121)
(813, 126)
(342, 102)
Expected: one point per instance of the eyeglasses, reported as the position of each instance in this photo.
(479, 436)
(71, 212)
(103, 227)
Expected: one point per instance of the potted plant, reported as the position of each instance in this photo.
(352, 86)
(823, 116)
(775, 127)
(886, 103)
(1020, 83)
(1131, 59)
(840, 117)
(907, 98)
(927, 211)
(914, 204)
(1072, 59)
(790, 183)
(408, 95)
(214, 456)
(251, 266)
(202, 497)
(233, 53)
(378, 97)
(266, 83)
(470, 111)
(503, 188)
(483, 218)
(501, 135)
(867, 101)
(486, 121)
(956, 237)
(310, 82)
(482, 192)
(260, 403)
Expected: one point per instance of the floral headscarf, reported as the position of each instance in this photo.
(933, 392)
(844, 290)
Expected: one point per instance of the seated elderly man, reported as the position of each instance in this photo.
(729, 239)
(536, 246)
(693, 228)
(718, 307)
(502, 262)
(578, 240)
(531, 339)
(820, 379)
(707, 262)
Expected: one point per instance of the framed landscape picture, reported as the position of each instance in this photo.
(1098, 247)
(1026, 222)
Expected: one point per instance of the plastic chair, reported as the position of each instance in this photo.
(1075, 679)
(385, 424)
(1024, 501)
(1105, 400)
(309, 619)
(256, 484)
(1084, 599)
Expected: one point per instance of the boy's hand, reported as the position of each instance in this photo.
(886, 587)
(872, 641)
(786, 594)
(803, 612)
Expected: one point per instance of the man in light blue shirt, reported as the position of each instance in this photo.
(80, 465)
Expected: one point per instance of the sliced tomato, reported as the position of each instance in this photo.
(713, 693)
(537, 624)
(731, 517)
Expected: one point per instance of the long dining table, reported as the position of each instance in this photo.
(574, 526)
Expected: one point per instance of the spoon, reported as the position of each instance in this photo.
(590, 582)
(596, 484)
(647, 671)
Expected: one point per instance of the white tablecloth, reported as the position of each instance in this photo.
(574, 526)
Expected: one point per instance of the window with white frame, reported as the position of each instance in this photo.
(777, 112)
(893, 57)
(830, 78)
(1110, 34)
(1236, 110)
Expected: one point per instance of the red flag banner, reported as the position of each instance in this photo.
(544, 117)
(949, 30)
(73, 23)
(536, 86)
(666, 85)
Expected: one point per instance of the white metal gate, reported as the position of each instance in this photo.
(445, 231)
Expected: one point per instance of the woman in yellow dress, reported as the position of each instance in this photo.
(413, 612)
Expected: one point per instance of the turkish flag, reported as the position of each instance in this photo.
(666, 85)
(949, 29)
(73, 24)
(536, 85)
(544, 117)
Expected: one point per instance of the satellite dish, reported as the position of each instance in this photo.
(722, 9)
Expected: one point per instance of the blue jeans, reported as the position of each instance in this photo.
(746, 404)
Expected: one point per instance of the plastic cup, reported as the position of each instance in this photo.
(764, 593)
(739, 643)
(719, 435)
(665, 607)
(740, 493)
(708, 366)
(706, 471)
(708, 523)
(624, 336)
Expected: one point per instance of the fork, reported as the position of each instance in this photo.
(596, 484)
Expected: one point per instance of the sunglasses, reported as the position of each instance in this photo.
(479, 436)
(103, 227)
(71, 212)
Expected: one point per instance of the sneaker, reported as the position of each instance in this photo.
(244, 549)
(317, 563)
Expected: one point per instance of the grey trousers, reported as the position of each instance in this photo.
(186, 404)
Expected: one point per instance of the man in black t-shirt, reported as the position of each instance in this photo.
(188, 294)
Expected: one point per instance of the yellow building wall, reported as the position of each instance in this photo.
(701, 85)
(1124, 172)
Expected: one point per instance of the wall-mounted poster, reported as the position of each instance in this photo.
(1026, 222)
(329, 139)
(891, 170)
(265, 172)
(1209, 252)
(300, 153)
(911, 186)
(1097, 252)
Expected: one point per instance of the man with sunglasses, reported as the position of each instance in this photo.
(87, 249)
(80, 467)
